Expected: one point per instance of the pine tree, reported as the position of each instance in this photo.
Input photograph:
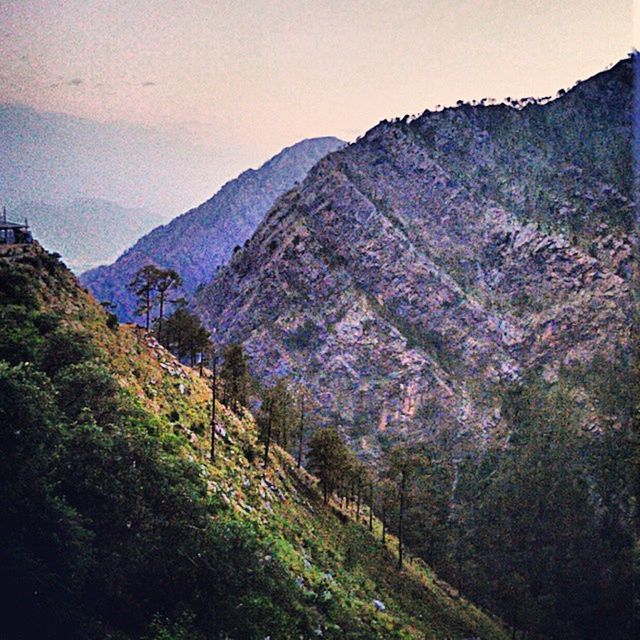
(166, 279)
(386, 499)
(361, 478)
(328, 456)
(184, 335)
(301, 426)
(235, 377)
(214, 398)
(144, 286)
(400, 465)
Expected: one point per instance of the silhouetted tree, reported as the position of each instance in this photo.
(235, 377)
(166, 279)
(144, 286)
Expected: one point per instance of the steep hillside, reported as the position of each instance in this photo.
(198, 242)
(418, 271)
(85, 232)
(117, 525)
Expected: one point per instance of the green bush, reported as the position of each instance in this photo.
(64, 347)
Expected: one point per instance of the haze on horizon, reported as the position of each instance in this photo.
(199, 91)
(258, 76)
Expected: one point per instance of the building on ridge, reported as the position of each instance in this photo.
(14, 232)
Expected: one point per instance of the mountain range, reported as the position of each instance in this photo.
(196, 243)
(419, 272)
(57, 157)
(85, 232)
(457, 293)
(121, 525)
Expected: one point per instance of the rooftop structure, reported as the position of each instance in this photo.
(14, 232)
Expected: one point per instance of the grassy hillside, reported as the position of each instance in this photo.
(117, 524)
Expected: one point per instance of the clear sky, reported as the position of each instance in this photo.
(260, 75)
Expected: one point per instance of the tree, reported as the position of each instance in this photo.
(285, 416)
(328, 455)
(214, 389)
(184, 335)
(235, 377)
(534, 535)
(265, 423)
(166, 279)
(144, 285)
(301, 426)
(400, 464)
(276, 416)
(304, 407)
(386, 498)
(429, 498)
(361, 478)
(371, 493)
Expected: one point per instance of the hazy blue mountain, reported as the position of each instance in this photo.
(85, 232)
(53, 157)
(198, 242)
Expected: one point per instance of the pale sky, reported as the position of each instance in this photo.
(260, 75)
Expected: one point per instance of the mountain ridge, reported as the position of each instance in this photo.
(198, 241)
(423, 267)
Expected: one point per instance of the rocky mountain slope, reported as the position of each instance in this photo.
(198, 242)
(417, 272)
(134, 511)
(85, 232)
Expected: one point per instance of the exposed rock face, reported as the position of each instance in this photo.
(202, 239)
(420, 269)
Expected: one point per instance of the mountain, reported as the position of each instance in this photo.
(116, 523)
(56, 157)
(419, 272)
(85, 232)
(196, 243)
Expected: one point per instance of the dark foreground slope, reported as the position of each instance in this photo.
(115, 524)
(196, 243)
(417, 272)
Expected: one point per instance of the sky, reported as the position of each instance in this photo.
(264, 74)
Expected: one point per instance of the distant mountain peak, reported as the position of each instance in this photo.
(197, 242)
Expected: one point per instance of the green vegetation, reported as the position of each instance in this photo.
(116, 525)
(328, 459)
(182, 332)
(103, 510)
(235, 378)
(539, 531)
